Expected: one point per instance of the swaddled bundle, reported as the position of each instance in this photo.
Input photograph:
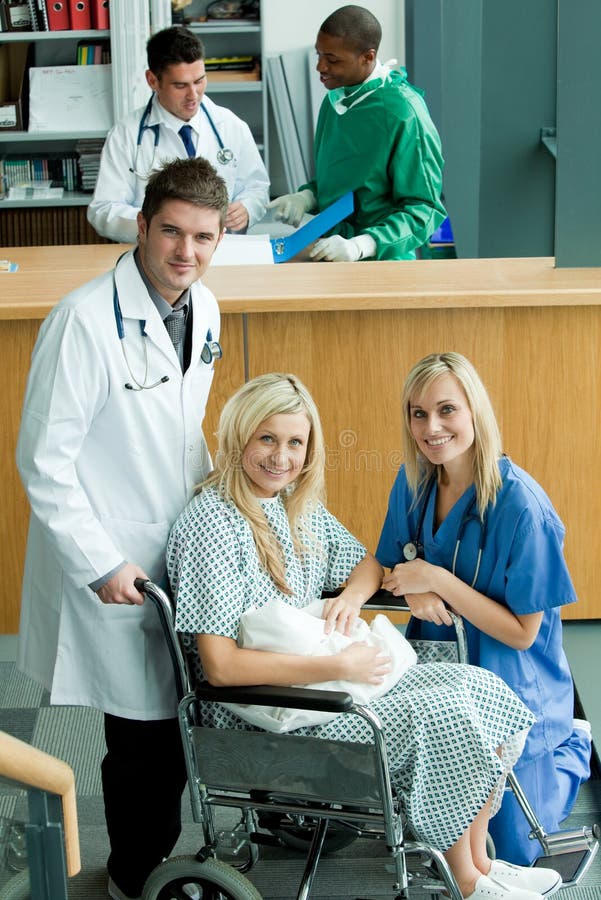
(278, 627)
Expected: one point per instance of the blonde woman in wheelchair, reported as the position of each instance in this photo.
(257, 532)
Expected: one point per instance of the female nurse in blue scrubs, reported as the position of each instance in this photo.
(467, 529)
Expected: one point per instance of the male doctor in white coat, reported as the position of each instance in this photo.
(109, 450)
(147, 138)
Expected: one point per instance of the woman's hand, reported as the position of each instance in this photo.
(364, 664)
(341, 614)
(428, 607)
(413, 577)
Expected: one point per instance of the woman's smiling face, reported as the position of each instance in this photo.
(442, 423)
(276, 453)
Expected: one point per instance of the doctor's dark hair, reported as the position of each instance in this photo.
(487, 438)
(172, 46)
(259, 399)
(193, 180)
(357, 26)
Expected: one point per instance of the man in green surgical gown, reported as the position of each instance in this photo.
(374, 137)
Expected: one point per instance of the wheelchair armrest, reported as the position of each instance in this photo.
(386, 601)
(268, 695)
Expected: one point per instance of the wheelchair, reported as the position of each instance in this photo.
(345, 793)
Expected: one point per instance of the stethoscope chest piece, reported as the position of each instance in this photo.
(224, 156)
(211, 351)
(410, 551)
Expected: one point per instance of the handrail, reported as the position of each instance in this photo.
(33, 768)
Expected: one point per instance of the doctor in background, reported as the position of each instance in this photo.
(148, 137)
(110, 448)
(374, 137)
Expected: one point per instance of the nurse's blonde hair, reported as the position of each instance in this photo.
(487, 438)
(259, 399)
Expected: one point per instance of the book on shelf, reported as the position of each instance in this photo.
(56, 170)
(93, 53)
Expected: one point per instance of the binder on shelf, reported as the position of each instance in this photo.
(33, 14)
(100, 14)
(79, 15)
(285, 248)
(43, 15)
(18, 16)
(58, 15)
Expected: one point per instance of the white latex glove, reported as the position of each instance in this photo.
(291, 208)
(339, 249)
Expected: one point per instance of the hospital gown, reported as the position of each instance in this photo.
(442, 722)
(523, 568)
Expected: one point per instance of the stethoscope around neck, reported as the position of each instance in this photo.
(415, 549)
(210, 352)
(224, 155)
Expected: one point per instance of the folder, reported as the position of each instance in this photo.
(58, 15)
(286, 248)
(100, 14)
(79, 15)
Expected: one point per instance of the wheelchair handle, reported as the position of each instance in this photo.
(166, 613)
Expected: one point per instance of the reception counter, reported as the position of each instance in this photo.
(351, 332)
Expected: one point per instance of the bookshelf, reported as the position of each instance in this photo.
(243, 93)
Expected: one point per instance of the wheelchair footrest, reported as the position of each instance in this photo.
(572, 862)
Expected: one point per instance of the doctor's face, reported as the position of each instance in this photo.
(180, 88)
(177, 245)
(276, 453)
(442, 425)
(340, 65)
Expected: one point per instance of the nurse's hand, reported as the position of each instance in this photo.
(429, 608)
(237, 217)
(339, 249)
(291, 208)
(413, 577)
(120, 588)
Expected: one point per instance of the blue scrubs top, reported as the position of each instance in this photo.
(522, 567)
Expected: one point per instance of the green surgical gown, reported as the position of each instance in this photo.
(387, 151)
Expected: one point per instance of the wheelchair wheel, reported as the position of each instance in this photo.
(298, 838)
(186, 878)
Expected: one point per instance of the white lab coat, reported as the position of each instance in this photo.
(124, 168)
(106, 470)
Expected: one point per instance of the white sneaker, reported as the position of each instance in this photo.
(116, 893)
(541, 880)
(488, 889)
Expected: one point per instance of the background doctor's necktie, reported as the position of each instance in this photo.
(185, 133)
(175, 323)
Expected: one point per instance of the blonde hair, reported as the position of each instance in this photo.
(258, 400)
(487, 438)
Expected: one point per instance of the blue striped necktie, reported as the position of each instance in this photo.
(185, 133)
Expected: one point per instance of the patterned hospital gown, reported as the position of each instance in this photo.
(442, 721)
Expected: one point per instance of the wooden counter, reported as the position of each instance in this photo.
(351, 332)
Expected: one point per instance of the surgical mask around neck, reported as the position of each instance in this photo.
(345, 98)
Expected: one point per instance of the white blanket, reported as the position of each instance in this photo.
(281, 628)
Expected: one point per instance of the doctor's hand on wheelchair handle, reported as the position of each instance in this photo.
(120, 588)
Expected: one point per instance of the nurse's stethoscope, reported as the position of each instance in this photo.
(224, 155)
(415, 549)
(210, 352)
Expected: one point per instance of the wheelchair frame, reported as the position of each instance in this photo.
(221, 763)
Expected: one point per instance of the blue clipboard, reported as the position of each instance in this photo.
(286, 248)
